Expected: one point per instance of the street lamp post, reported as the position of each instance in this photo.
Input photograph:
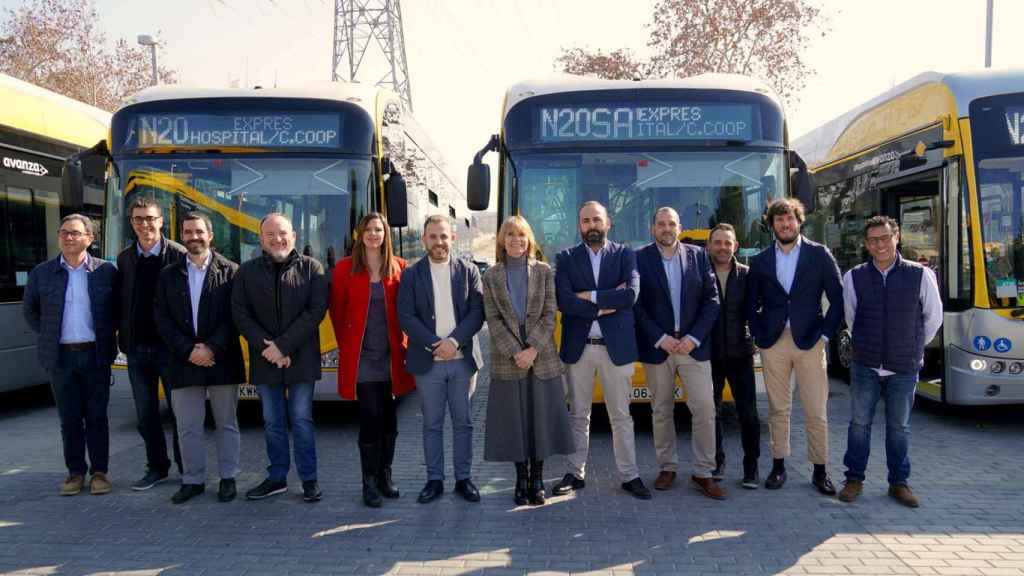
(988, 35)
(147, 40)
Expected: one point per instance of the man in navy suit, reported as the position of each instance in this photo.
(784, 288)
(596, 285)
(675, 313)
(441, 308)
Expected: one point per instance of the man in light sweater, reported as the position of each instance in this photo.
(440, 308)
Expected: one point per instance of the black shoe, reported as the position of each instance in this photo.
(385, 486)
(718, 474)
(371, 496)
(227, 491)
(750, 476)
(369, 458)
(521, 495)
(467, 490)
(824, 484)
(567, 485)
(776, 479)
(431, 491)
(536, 490)
(266, 489)
(636, 488)
(187, 492)
(311, 491)
(149, 480)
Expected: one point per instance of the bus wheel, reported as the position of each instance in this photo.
(841, 354)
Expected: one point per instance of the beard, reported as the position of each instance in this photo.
(594, 237)
(197, 247)
(786, 240)
(279, 255)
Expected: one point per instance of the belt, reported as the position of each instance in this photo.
(596, 341)
(676, 334)
(78, 346)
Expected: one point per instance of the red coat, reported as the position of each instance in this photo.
(350, 303)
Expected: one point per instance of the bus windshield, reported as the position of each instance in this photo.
(237, 192)
(705, 188)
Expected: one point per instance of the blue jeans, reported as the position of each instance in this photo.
(81, 389)
(277, 411)
(448, 384)
(146, 365)
(866, 387)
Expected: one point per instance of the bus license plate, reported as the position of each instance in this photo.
(247, 392)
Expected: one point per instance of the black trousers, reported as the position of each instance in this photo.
(377, 419)
(740, 373)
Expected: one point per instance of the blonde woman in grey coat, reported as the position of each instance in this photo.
(527, 418)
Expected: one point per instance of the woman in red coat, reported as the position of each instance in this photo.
(372, 348)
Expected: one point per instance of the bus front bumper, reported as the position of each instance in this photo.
(971, 381)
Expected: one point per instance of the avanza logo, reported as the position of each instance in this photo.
(25, 166)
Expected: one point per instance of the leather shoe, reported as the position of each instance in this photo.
(467, 490)
(227, 491)
(431, 491)
(567, 484)
(903, 495)
(775, 480)
(637, 489)
(709, 487)
(824, 484)
(187, 492)
(664, 480)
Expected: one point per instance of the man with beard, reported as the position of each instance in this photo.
(784, 290)
(441, 309)
(278, 301)
(205, 356)
(138, 271)
(677, 307)
(596, 284)
(732, 354)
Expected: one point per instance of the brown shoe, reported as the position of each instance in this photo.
(851, 490)
(99, 484)
(903, 495)
(664, 480)
(72, 485)
(709, 487)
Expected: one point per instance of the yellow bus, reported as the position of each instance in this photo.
(38, 130)
(322, 155)
(714, 147)
(944, 155)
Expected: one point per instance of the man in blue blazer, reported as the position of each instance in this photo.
(441, 309)
(596, 284)
(677, 309)
(784, 288)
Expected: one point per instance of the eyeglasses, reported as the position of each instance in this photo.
(71, 234)
(145, 219)
(879, 239)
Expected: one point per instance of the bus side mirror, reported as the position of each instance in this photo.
(72, 183)
(478, 186)
(88, 166)
(801, 184)
(397, 200)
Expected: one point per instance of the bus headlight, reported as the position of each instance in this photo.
(997, 367)
(978, 364)
(329, 360)
(1016, 368)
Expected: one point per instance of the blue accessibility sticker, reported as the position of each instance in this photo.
(981, 343)
(1002, 345)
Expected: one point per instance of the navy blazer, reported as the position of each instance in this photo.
(768, 305)
(654, 315)
(417, 319)
(573, 273)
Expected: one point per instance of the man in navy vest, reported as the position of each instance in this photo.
(784, 288)
(893, 309)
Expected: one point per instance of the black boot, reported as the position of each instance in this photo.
(387, 455)
(521, 495)
(369, 454)
(536, 482)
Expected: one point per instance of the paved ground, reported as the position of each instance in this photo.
(968, 471)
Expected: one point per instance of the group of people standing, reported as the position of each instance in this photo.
(678, 309)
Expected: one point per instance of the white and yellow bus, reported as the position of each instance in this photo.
(714, 147)
(944, 155)
(39, 129)
(324, 156)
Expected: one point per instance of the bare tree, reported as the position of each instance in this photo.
(761, 38)
(58, 45)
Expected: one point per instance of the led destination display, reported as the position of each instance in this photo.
(690, 121)
(274, 130)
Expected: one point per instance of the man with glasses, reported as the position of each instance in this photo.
(69, 303)
(138, 272)
(893, 309)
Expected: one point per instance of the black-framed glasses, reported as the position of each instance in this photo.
(145, 219)
(879, 239)
(71, 234)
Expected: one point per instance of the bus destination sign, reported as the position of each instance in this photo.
(1015, 125)
(273, 130)
(691, 121)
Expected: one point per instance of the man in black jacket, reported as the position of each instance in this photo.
(138, 270)
(278, 301)
(732, 354)
(193, 314)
